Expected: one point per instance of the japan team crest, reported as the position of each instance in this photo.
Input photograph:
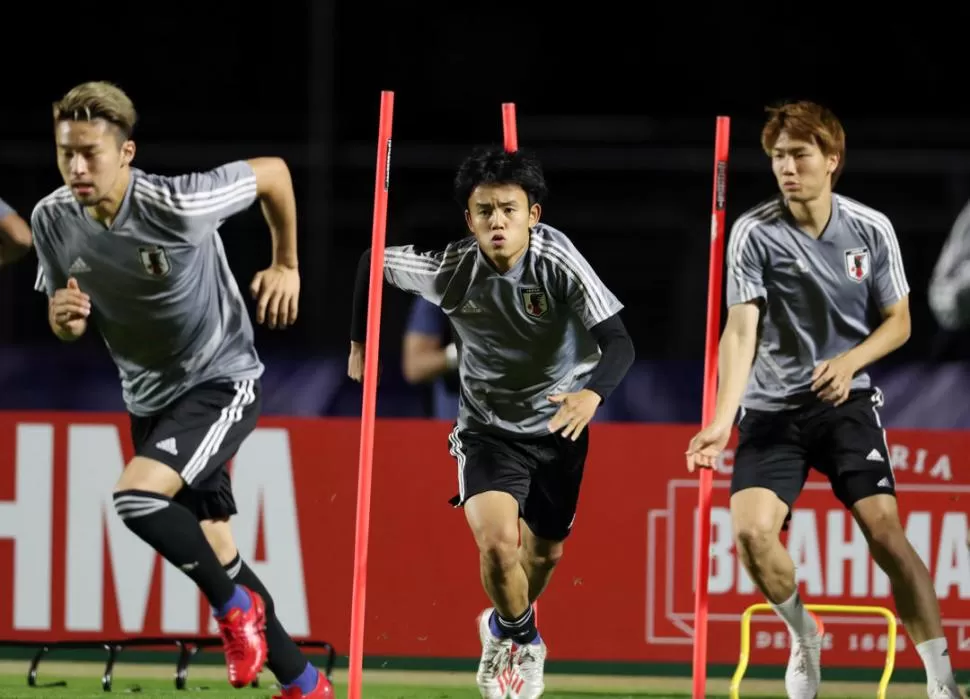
(155, 260)
(535, 300)
(857, 264)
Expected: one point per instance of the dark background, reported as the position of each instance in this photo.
(619, 100)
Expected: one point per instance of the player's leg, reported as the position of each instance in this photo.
(770, 468)
(492, 486)
(863, 480)
(298, 677)
(548, 516)
(539, 558)
(179, 454)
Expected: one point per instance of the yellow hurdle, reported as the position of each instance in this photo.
(890, 618)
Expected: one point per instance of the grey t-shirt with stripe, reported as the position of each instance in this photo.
(949, 292)
(162, 294)
(522, 335)
(820, 297)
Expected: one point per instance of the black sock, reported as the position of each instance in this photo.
(174, 532)
(522, 630)
(285, 659)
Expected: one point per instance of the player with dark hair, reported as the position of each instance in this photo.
(540, 346)
(803, 270)
(139, 255)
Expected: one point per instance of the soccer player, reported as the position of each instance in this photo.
(140, 257)
(949, 292)
(429, 356)
(15, 237)
(803, 269)
(541, 345)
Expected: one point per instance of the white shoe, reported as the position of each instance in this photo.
(804, 673)
(941, 690)
(528, 664)
(493, 669)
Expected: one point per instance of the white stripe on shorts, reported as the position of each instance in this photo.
(456, 449)
(229, 416)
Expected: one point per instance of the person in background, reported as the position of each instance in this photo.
(15, 237)
(429, 356)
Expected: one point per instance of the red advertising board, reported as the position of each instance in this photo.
(70, 569)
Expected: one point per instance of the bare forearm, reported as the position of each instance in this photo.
(426, 366)
(891, 334)
(278, 204)
(15, 239)
(735, 356)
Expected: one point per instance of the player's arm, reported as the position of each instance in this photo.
(274, 189)
(68, 307)
(598, 310)
(735, 359)
(423, 358)
(617, 356)
(425, 273)
(949, 291)
(832, 379)
(15, 237)
(746, 293)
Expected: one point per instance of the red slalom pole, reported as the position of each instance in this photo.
(510, 129)
(510, 138)
(369, 406)
(702, 562)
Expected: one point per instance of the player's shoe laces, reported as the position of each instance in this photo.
(323, 690)
(244, 641)
(804, 673)
(528, 663)
(492, 675)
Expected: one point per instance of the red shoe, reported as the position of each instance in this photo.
(323, 690)
(244, 641)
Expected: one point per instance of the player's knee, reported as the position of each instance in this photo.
(543, 557)
(755, 538)
(499, 547)
(149, 476)
(132, 505)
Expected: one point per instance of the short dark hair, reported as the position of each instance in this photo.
(492, 165)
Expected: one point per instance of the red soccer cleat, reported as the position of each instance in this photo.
(323, 690)
(244, 641)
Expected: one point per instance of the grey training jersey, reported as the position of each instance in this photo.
(162, 294)
(523, 335)
(821, 297)
(949, 293)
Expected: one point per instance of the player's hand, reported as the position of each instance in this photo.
(704, 448)
(277, 293)
(832, 379)
(70, 308)
(355, 363)
(575, 412)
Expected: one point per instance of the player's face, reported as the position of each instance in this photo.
(802, 170)
(500, 217)
(91, 159)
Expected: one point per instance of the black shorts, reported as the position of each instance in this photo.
(846, 443)
(542, 473)
(197, 436)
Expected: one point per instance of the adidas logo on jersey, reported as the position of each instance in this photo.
(168, 445)
(79, 266)
(874, 455)
(471, 307)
